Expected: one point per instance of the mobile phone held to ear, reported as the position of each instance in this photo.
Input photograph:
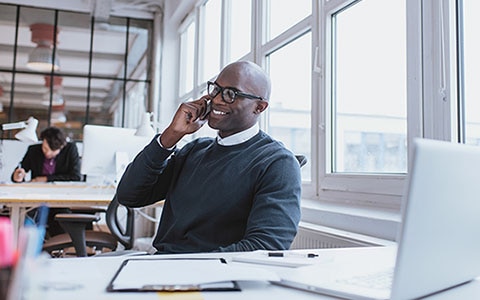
(207, 110)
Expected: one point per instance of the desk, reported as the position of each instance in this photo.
(18, 197)
(87, 278)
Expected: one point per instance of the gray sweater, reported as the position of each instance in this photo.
(218, 198)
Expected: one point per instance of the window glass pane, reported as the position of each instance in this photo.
(135, 103)
(240, 22)
(105, 92)
(109, 48)
(369, 88)
(73, 100)
(471, 44)
(5, 87)
(187, 54)
(35, 24)
(75, 107)
(282, 15)
(74, 38)
(290, 102)
(212, 34)
(24, 105)
(138, 49)
(8, 15)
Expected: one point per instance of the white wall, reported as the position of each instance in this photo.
(11, 153)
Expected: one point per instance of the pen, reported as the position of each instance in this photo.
(282, 254)
(19, 175)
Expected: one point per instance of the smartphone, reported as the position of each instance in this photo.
(207, 110)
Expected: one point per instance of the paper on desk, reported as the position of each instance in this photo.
(136, 274)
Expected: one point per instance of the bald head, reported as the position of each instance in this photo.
(254, 79)
(252, 86)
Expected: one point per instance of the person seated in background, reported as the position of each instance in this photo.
(54, 159)
(239, 191)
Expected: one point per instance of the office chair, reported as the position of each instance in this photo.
(302, 159)
(79, 238)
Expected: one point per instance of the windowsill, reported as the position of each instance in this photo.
(377, 222)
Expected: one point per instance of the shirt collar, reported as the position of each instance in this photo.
(239, 137)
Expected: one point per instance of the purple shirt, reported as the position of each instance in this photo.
(48, 166)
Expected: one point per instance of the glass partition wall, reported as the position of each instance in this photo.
(100, 75)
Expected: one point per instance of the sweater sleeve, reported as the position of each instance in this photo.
(275, 214)
(147, 178)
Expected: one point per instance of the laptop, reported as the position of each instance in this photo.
(438, 242)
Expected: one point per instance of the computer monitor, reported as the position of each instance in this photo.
(107, 151)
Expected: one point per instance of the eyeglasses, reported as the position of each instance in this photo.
(228, 94)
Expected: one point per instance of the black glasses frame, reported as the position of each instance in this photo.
(224, 90)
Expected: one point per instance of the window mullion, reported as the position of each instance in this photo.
(439, 96)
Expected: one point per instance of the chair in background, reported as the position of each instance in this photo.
(77, 236)
(302, 159)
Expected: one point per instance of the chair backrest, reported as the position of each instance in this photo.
(302, 159)
(121, 226)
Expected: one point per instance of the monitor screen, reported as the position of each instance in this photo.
(107, 151)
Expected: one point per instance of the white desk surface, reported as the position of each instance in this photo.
(87, 278)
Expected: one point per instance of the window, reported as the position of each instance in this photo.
(212, 20)
(290, 104)
(353, 83)
(240, 35)
(368, 92)
(282, 15)
(187, 46)
(103, 75)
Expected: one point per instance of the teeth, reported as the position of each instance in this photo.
(217, 112)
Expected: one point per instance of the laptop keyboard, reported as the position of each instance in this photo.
(380, 280)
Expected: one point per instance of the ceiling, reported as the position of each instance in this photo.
(32, 91)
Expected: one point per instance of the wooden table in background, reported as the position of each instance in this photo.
(21, 197)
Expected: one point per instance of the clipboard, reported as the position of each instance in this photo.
(183, 274)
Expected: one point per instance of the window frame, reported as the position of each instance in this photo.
(338, 187)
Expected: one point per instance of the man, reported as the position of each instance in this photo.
(54, 159)
(237, 192)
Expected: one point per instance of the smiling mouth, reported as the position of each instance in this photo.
(217, 112)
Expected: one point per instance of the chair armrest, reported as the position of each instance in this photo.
(77, 218)
(74, 225)
(87, 210)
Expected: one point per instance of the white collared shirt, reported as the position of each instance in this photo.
(234, 139)
(239, 137)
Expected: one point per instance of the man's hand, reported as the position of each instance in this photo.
(19, 175)
(188, 119)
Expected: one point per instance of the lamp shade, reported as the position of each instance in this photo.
(145, 128)
(29, 134)
(41, 59)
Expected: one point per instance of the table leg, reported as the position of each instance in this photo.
(15, 219)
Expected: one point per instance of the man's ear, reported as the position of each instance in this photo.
(261, 106)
